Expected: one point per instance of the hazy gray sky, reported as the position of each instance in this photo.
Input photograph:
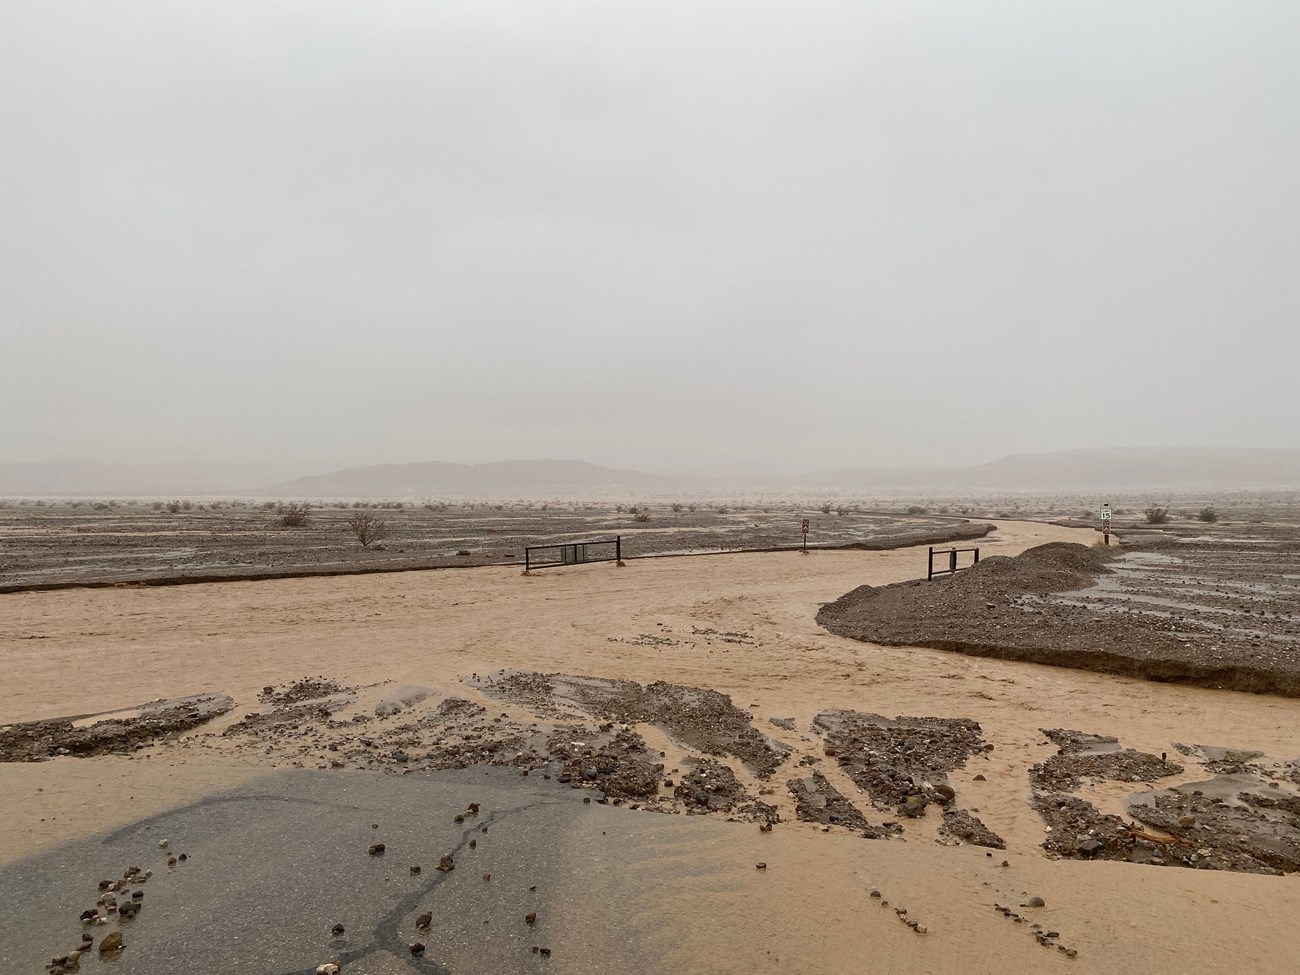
(676, 236)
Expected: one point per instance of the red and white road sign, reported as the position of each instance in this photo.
(805, 526)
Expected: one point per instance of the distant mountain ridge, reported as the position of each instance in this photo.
(1129, 469)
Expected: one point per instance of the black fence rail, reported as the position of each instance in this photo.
(951, 554)
(573, 553)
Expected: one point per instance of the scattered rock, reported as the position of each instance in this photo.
(902, 763)
(960, 824)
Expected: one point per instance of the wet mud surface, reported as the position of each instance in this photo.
(1220, 612)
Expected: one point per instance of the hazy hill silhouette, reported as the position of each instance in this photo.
(1095, 469)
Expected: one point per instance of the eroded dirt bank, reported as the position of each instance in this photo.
(1176, 613)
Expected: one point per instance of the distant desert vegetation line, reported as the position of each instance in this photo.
(1093, 469)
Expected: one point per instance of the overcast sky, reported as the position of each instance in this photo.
(676, 236)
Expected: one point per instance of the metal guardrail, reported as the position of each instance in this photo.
(573, 553)
(931, 571)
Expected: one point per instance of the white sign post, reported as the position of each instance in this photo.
(1105, 523)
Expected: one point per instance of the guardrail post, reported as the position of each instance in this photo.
(952, 561)
(929, 566)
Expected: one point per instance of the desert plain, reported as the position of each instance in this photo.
(666, 766)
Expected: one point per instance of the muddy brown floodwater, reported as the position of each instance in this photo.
(773, 797)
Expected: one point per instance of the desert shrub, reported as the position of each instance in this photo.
(1208, 515)
(641, 516)
(826, 508)
(916, 509)
(100, 506)
(723, 510)
(677, 508)
(1156, 516)
(633, 510)
(173, 506)
(268, 505)
(366, 527)
(294, 515)
(690, 507)
(841, 511)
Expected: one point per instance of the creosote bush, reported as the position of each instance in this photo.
(366, 527)
(1208, 515)
(294, 515)
(1156, 516)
